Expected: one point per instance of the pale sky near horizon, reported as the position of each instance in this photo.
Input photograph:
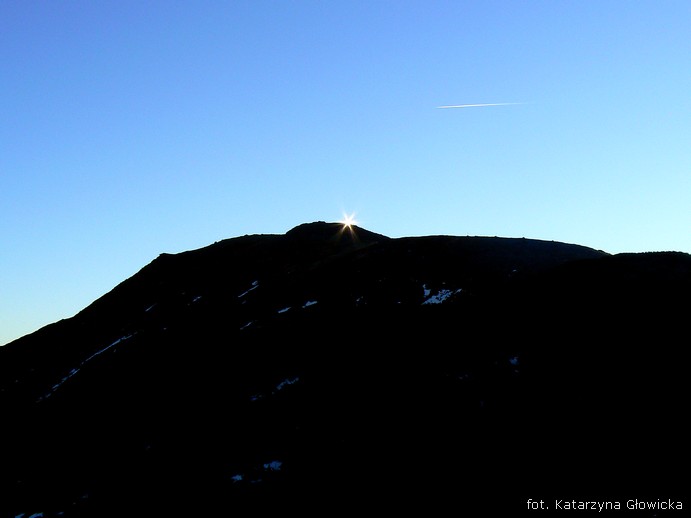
(128, 129)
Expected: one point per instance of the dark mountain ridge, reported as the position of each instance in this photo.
(331, 368)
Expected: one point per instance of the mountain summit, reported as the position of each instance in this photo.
(332, 368)
(333, 232)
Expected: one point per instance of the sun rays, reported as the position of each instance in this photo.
(348, 221)
(348, 224)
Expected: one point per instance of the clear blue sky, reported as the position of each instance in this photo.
(128, 129)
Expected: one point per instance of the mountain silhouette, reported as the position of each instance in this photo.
(332, 370)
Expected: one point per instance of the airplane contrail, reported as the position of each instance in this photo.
(476, 105)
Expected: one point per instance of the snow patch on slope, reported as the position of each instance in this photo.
(282, 385)
(83, 363)
(439, 297)
(255, 285)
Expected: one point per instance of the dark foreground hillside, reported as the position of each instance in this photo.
(330, 371)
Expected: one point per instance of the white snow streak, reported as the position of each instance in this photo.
(83, 363)
(441, 296)
(283, 384)
(287, 382)
(255, 285)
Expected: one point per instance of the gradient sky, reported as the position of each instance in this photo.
(132, 128)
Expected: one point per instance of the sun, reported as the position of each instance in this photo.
(348, 220)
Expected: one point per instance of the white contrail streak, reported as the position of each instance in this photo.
(476, 105)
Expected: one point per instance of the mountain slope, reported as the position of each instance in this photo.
(337, 367)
